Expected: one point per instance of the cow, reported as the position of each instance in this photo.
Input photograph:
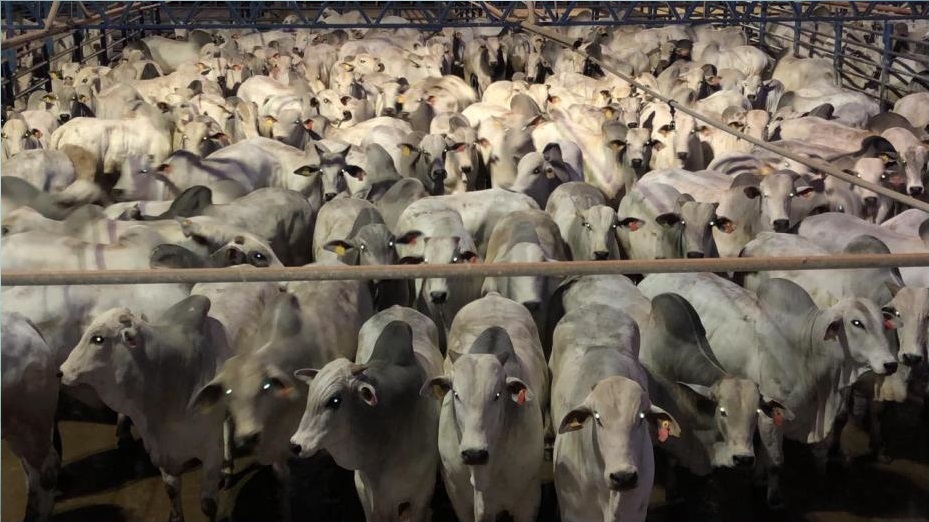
(493, 396)
(718, 411)
(539, 174)
(805, 372)
(587, 225)
(30, 391)
(354, 408)
(256, 385)
(182, 349)
(47, 170)
(604, 465)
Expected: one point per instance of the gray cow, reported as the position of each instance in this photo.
(30, 398)
(332, 169)
(124, 358)
(587, 225)
(718, 411)
(538, 174)
(493, 397)
(525, 236)
(354, 408)
(604, 464)
(423, 157)
(310, 325)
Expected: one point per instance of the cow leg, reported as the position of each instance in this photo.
(173, 489)
(876, 412)
(41, 479)
(228, 467)
(282, 472)
(123, 430)
(209, 489)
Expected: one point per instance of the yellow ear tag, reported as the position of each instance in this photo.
(406, 151)
(340, 250)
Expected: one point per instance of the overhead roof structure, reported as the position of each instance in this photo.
(21, 16)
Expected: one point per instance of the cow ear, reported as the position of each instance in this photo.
(469, 256)
(704, 392)
(664, 422)
(632, 223)
(280, 383)
(832, 331)
(406, 149)
(174, 256)
(366, 393)
(456, 147)
(774, 408)
(575, 419)
(207, 397)
(668, 219)
(338, 246)
(519, 392)
(752, 192)
(410, 260)
(355, 172)
(306, 374)
(893, 287)
(306, 170)
(409, 238)
(436, 387)
(189, 314)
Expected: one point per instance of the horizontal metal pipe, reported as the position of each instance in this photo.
(23, 39)
(818, 165)
(248, 274)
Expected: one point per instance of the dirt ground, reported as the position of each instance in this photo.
(101, 482)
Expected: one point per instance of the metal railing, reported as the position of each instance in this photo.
(249, 274)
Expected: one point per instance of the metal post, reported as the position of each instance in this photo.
(8, 70)
(885, 63)
(48, 50)
(837, 56)
(77, 55)
(763, 25)
(796, 37)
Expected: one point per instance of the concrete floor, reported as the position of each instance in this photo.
(102, 483)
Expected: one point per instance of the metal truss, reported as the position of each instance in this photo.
(167, 15)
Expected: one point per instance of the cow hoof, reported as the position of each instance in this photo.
(208, 507)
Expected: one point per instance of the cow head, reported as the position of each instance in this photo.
(620, 414)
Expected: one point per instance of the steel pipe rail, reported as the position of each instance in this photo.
(249, 274)
(820, 166)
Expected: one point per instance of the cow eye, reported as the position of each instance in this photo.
(496, 396)
(455, 259)
(641, 416)
(455, 393)
(259, 255)
(588, 226)
(228, 391)
(97, 339)
(144, 171)
(266, 385)
(597, 418)
(326, 101)
(204, 138)
(722, 411)
(857, 324)
(766, 195)
(334, 402)
(361, 247)
(883, 176)
(537, 170)
(185, 137)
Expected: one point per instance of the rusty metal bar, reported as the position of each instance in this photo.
(818, 165)
(248, 274)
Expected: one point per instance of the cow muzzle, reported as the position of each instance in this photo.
(623, 480)
(912, 359)
(781, 225)
(475, 457)
(743, 461)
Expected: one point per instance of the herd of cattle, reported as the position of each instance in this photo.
(368, 147)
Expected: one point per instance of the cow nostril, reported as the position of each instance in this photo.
(474, 457)
(329, 196)
(632, 125)
(60, 374)
(744, 461)
(751, 97)
(911, 359)
(249, 441)
(532, 306)
(682, 155)
(915, 191)
(781, 225)
(621, 480)
(439, 174)
(890, 368)
(636, 163)
(346, 115)
(694, 255)
(296, 449)
(600, 255)
(438, 297)
(870, 201)
(390, 111)
(466, 170)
